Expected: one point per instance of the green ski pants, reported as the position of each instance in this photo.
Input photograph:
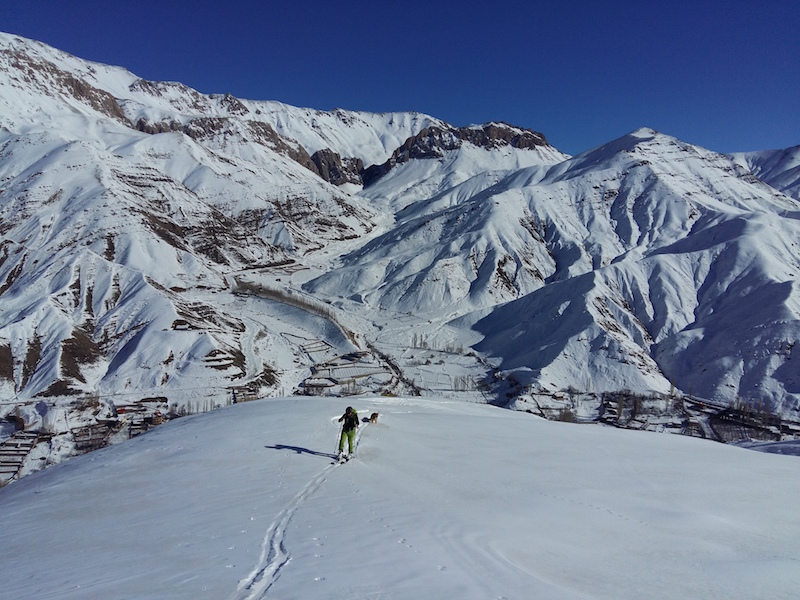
(349, 434)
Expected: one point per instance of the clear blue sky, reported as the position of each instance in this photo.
(721, 74)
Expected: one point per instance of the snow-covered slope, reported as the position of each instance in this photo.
(444, 500)
(451, 246)
(642, 264)
(668, 266)
(778, 168)
(51, 78)
(370, 137)
(109, 231)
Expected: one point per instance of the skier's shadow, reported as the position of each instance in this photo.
(300, 450)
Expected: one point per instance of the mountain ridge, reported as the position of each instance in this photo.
(133, 212)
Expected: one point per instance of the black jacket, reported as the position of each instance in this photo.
(350, 421)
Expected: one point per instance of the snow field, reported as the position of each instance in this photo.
(444, 499)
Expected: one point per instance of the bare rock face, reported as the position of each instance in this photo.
(233, 105)
(337, 170)
(433, 142)
(159, 127)
(496, 135)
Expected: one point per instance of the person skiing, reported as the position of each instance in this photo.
(349, 422)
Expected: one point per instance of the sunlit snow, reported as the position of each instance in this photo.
(443, 500)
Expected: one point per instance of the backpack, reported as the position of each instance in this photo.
(350, 421)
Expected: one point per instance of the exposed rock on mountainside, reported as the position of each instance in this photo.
(433, 142)
(48, 79)
(337, 170)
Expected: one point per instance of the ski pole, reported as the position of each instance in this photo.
(338, 439)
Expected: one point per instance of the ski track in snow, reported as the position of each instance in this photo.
(274, 555)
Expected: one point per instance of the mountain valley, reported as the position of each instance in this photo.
(163, 246)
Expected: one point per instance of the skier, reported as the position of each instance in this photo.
(350, 418)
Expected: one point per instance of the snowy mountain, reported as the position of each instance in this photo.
(445, 499)
(162, 243)
(106, 225)
(670, 267)
(778, 168)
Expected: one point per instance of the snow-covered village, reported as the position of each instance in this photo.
(568, 376)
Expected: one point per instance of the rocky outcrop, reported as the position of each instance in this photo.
(233, 105)
(52, 80)
(337, 170)
(496, 135)
(160, 127)
(433, 142)
(263, 133)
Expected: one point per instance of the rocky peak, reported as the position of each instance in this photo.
(433, 142)
(232, 105)
(496, 135)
